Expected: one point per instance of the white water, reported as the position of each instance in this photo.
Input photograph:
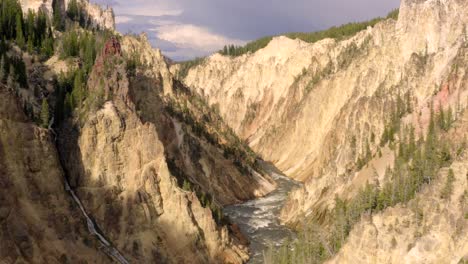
(258, 219)
(107, 247)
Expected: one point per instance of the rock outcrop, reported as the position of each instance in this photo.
(38, 220)
(99, 17)
(312, 108)
(36, 5)
(102, 18)
(127, 155)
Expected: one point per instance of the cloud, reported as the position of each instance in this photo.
(151, 12)
(187, 28)
(149, 8)
(123, 19)
(106, 2)
(194, 37)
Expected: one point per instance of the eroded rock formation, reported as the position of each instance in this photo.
(312, 108)
(126, 156)
(38, 219)
(99, 17)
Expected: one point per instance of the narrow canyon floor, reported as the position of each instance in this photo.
(259, 219)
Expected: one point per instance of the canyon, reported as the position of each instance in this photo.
(153, 163)
(313, 109)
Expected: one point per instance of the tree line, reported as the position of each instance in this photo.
(340, 32)
(32, 32)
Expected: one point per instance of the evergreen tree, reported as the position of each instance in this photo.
(448, 187)
(449, 119)
(47, 48)
(78, 89)
(68, 106)
(409, 109)
(2, 68)
(73, 10)
(341, 228)
(58, 20)
(19, 30)
(41, 28)
(30, 45)
(11, 80)
(45, 113)
(412, 142)
(30, 27)
(186, 186)
(20, 71)
(70, 45)
(430, 150)
(441, 118)
(89, 52)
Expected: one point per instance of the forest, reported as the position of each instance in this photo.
(33, 34)
(338, 33)
(418, 160)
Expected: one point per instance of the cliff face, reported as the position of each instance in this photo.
(39, 222)
(313, 108)
(99, 17)
(128, 156)
(429, 230)
(36, 5)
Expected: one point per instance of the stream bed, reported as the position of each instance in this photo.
(259, 219)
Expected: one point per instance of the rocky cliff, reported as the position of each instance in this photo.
(313, 108)
(430, 229)
(129, 150)
(38, 219)
(99, 17)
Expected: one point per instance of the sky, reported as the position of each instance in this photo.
(185, 29)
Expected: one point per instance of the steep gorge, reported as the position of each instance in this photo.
(321, 112)
(120, 154)
(151, 164)
(39, 222)
(154, 160)
(297, 102)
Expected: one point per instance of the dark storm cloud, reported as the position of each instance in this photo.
(254, 18)
(188, 28)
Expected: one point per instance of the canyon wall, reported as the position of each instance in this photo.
(313, 109)
(429, 229)
(98, 16)
(128, 155)
(38, 219)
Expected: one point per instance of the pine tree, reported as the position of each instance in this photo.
(41, 28)
(47, 48)
(45, 113)
(430, 150)
(30, 45)
(448, 187)
(78, 90)
(186, 186)
(2, 68)
(19, 30)
(30, 28)
(73, 10)
(11, 80)
(409, 109)
(58, 20)
(441, 118)
(449, 119)
(412, 142)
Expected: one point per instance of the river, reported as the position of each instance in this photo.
(259, 219)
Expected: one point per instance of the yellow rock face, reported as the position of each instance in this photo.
(303, 106)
